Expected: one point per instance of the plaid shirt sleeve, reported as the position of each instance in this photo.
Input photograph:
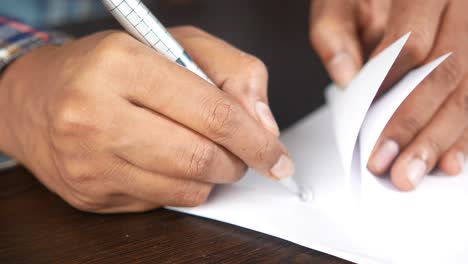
(47, 13)
(17, 38)
(6, 163)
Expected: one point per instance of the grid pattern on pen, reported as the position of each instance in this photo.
(126, 10)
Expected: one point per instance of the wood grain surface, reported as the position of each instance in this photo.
(38, 227)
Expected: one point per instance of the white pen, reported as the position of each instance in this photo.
(138, 20)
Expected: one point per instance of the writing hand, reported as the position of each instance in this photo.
(110, 125)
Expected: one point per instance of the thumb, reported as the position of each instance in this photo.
(334, 35)
(241, 75)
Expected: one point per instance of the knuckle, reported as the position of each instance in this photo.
(81, 171)
(460, 99)
(324, 32)
(325, 26)
(68, 118)
(410, 125)
(434, 146)
(85, 204)
(191, 30)
(70, 122)
(110, 39)
(79, 174)
(265, 148)
(201, 196)
(419, 46)
(452, 72)
(194, 196)
(257, 73)
(318, 32)
(114, 46)
(255, 67)
(239, 174)
(378, 15)
(74, 118)
(221, 119)
(201, 159)
(88, 190)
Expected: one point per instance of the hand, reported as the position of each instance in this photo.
(110, 125)
(429, 128)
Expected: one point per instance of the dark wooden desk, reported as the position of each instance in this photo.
(38, 227)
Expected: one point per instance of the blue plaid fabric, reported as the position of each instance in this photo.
(52, 12)
(3, 158)
(6, 163)
(17, 38)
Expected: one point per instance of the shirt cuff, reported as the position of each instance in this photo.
(6, 163)
(17, 39)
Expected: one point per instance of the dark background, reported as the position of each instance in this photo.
(38, 227)
(276, 31)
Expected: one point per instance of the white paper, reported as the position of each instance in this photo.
(349, 106)
(385, 226)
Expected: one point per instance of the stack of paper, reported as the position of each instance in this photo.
(354, 215)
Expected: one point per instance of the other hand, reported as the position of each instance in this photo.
(429, 128)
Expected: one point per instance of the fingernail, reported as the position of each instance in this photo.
(284, 168)
(342, 68)
(266, 117)
(461, 161)
(385, 155)
(415, 171)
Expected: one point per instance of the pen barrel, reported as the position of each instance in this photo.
(138, 20)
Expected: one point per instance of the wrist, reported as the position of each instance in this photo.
(22, 103)
(5, 128)
(18, 41)
(6, 113)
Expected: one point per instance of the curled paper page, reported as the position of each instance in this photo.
(427, 226)
(349, 106)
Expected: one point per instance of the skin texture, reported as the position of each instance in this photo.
(430, 128)
(112, 126)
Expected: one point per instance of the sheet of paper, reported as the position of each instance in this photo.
(375, 122)
(386, 226)
(438, 198)
(263, 205)
(349, 106)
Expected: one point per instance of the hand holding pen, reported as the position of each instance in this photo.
(135, 17)
(117, 127)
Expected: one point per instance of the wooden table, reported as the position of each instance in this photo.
(38, 227)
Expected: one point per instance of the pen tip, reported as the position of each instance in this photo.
(305, 196)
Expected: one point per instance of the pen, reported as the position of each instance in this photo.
(138, 20)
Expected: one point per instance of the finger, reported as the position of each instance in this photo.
(162, 146)
(134, 205)
(453, 162)
(239, 74)
(163, 190)
(410, 118)
(423, 33)
(187, 99)
(334, 35)
(373, 18)
(423, 103)
(421, 156)
(105, 201)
